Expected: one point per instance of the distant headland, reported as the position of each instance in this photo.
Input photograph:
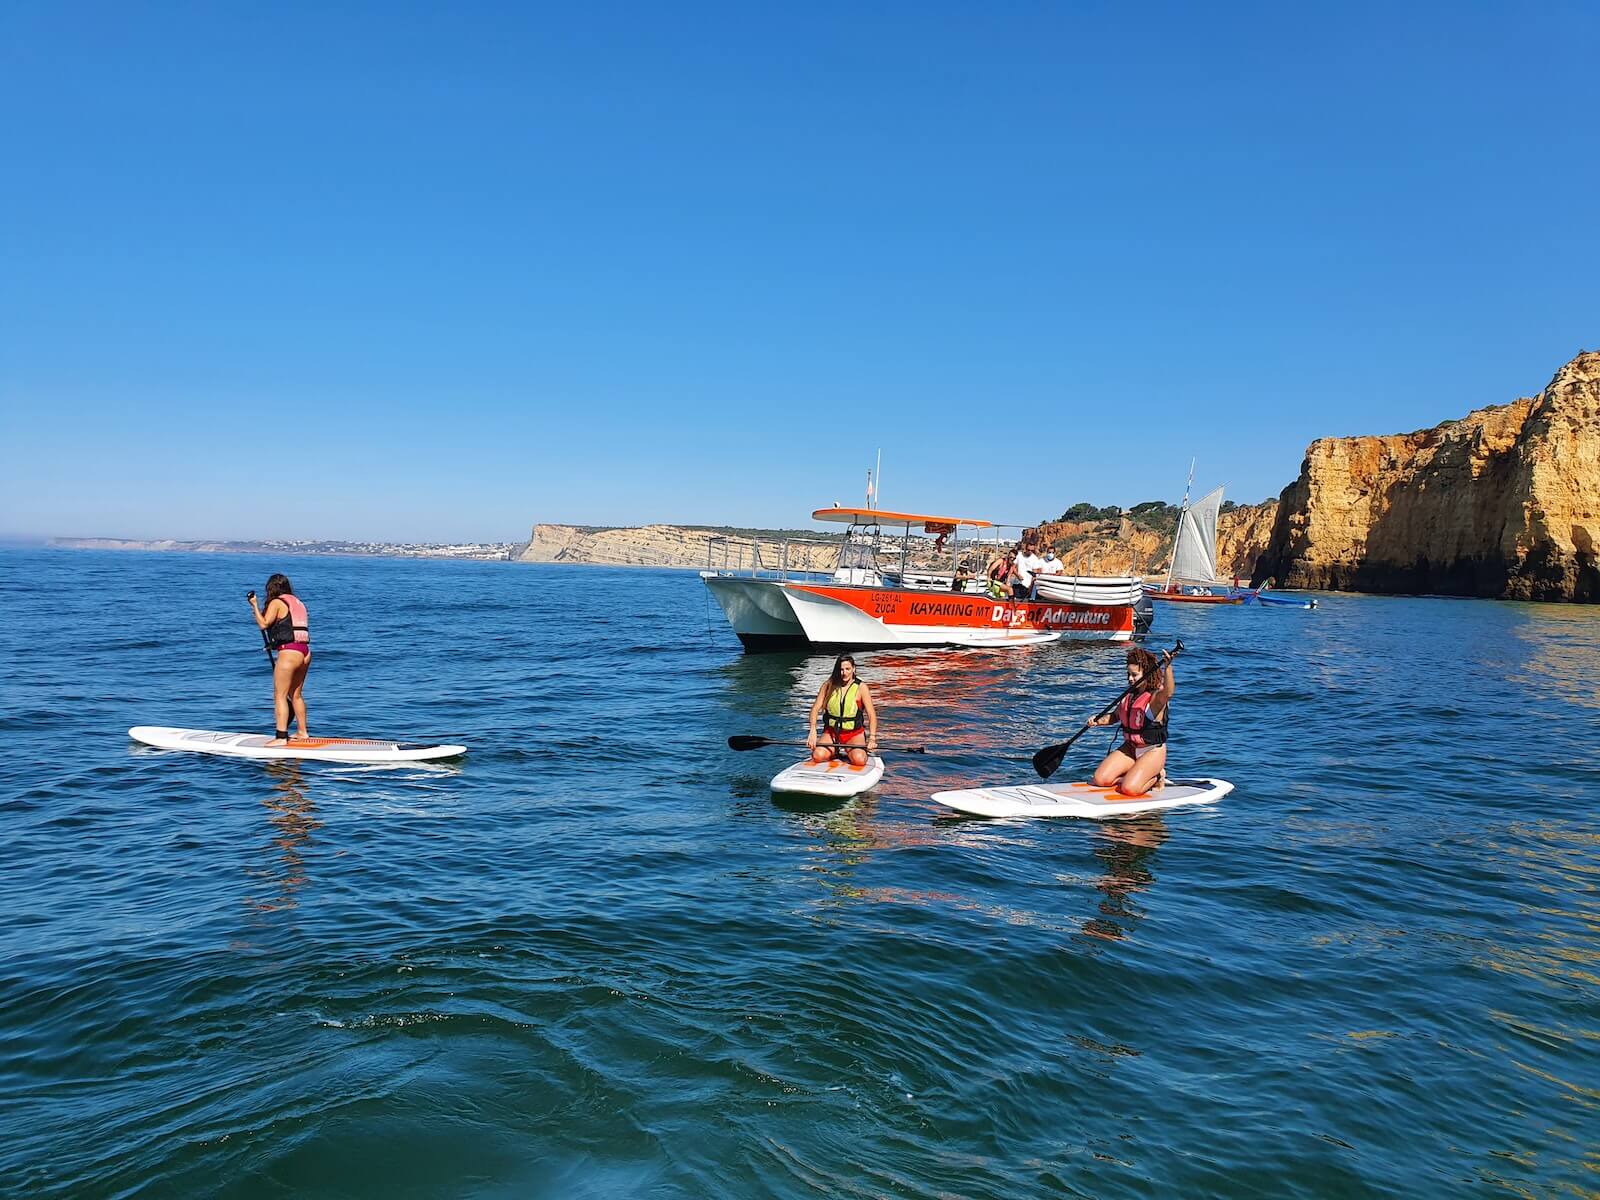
(1090, 540)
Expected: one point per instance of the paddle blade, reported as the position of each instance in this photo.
(1048, 761)
(747, 741)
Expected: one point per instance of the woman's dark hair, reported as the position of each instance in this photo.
(1147, 663)
(836, 676)
(277, 586)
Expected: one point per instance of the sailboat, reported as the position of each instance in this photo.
(1192, 577)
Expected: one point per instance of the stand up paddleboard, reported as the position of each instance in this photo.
(836, 778)
(254, 745)
(1080, 799)
(988, 638)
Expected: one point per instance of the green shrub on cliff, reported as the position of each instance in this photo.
(1155, 515)
(1084, 511)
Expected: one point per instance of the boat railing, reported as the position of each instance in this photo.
(798, 560)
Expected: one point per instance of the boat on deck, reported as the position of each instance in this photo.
(860, 601)
(1192, 577)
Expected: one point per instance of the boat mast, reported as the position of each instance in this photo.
(1173, 561)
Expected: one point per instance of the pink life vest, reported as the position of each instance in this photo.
(295, 627)
(1138, 726)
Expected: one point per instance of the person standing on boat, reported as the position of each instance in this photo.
(849, 720)
(1140, 762)
(1027, 566)
(1051, 563)
(288, 631)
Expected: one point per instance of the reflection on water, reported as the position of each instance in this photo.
(1125, 848)
(293, 818)
(1563, 652)
(914, 688)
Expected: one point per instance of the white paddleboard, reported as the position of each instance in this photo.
(254, 745)
(836, 778)
(1080, 799)
(985, 638)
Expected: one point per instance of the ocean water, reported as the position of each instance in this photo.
(597, 958)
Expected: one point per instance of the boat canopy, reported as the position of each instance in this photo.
(881, 516)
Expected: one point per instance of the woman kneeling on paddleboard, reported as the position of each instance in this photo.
(1139, 763)
(288, 631)
(849, 721)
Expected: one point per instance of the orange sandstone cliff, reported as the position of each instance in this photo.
(1503, 503)
(1124, 548)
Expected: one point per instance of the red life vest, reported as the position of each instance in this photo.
(295, 627)
(1138, 726)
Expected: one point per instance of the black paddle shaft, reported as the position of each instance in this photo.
(1048, 760)
(266, 642)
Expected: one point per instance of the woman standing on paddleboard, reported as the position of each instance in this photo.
(288, 631)
(1139, 763)
(849, 720)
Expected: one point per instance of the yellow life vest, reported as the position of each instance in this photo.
(843, 713)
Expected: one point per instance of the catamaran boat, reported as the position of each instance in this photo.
(1192, 577)
(861, 601)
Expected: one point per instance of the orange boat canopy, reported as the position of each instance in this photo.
(882, 516)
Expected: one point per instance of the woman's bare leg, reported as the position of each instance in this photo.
(1143, 773)
(297, 695)
(282, 683)
(1112, 768)
(824, 751)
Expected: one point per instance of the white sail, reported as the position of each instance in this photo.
(1194, 558)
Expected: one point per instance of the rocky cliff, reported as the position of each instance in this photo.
(672, 546)
(1127, 548)
(1504, 502)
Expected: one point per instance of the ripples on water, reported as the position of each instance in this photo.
(597, 958)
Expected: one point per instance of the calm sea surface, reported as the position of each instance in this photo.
(596, 958)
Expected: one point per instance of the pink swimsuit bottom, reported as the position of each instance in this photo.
(297, 647)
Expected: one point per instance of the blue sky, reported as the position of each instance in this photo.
(440, 272)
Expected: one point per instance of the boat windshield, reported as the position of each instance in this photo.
(858, 558)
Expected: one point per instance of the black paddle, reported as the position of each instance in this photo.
(1048, 760)
(266, 642)
(749, 741)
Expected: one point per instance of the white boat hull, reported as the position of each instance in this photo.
(757, 609)
(777, 614)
